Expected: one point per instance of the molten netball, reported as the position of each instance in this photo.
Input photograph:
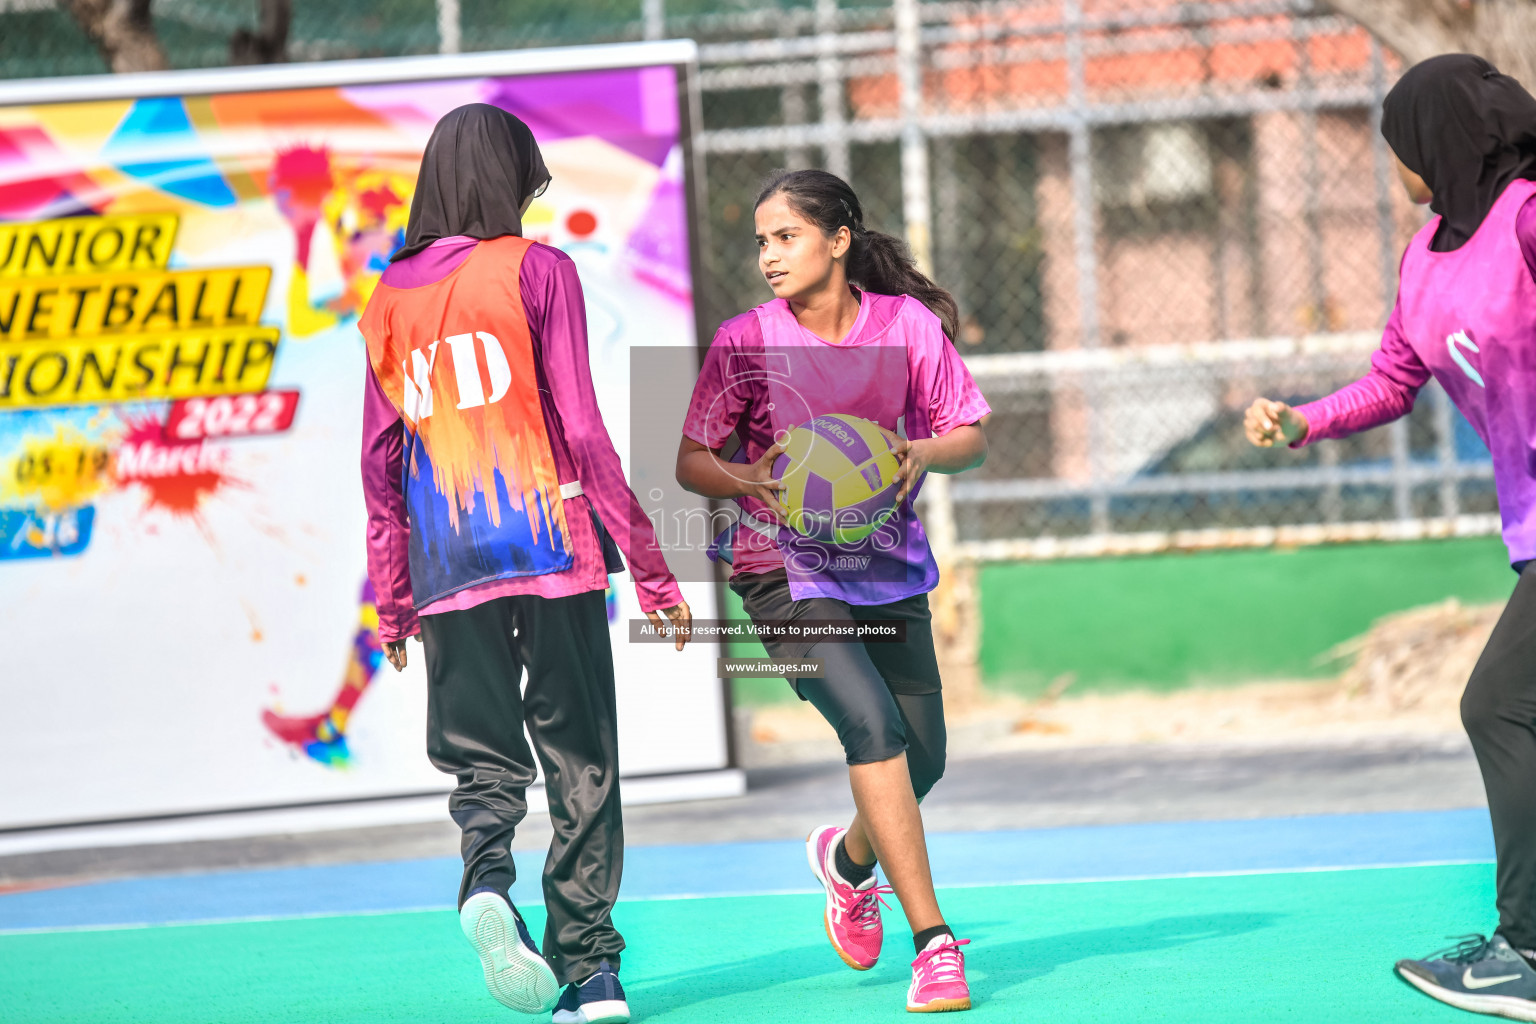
(840, 478)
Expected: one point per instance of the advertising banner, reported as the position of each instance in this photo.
(186, 619)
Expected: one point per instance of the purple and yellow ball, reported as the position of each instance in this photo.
(839, 478)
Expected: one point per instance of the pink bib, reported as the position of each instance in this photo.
(1470, 316)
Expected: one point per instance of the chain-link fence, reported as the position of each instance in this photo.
(1150, 212)
(1175, 471)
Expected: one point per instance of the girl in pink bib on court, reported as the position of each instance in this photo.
(854, 330)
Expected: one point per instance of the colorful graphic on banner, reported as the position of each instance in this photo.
(323, 737)
(180, 382)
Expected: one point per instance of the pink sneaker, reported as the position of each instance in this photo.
(853, 913)
(938, 978)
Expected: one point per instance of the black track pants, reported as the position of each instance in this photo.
(475, 720)
(1499, 711)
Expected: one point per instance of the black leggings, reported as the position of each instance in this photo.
(874, 723)
(882, 698)
(1499, 711)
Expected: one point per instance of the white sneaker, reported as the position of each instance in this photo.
(515, 973)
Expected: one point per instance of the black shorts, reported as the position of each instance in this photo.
(883, 699)
(911, 667)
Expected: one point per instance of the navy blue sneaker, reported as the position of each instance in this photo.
(515, 973)
(598, 1000)
(1480, 975)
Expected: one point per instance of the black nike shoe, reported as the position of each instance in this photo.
(1480, 975)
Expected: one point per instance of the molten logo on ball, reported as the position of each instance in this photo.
(840, 478)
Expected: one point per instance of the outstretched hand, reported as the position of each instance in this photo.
(1268, 422)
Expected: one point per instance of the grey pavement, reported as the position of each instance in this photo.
(980, 791)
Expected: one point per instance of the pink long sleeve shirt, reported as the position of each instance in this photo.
(1397, 373)
(557, 320)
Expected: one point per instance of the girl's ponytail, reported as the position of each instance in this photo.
(883, 263)
(877, 262)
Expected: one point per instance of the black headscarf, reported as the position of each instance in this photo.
(480, 164)
(1468, 131)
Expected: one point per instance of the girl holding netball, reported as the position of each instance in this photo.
(1465, 140)
(855, 329)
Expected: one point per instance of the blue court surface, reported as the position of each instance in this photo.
(1025, 857)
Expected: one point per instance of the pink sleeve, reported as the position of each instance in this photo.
(567, 371)
(942, 393)
(1525, 231)
(389, 525)
(715, 409)
(953, 397)
(1381, 396)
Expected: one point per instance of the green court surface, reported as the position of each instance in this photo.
(1313, 946)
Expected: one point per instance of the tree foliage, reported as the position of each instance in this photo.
(125, 33)
(122, 31)
(1502, 31)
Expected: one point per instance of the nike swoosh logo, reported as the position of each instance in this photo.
(1475, 983)
(1460, 338)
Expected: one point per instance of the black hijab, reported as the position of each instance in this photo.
(1468, 131)
(480, 164)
